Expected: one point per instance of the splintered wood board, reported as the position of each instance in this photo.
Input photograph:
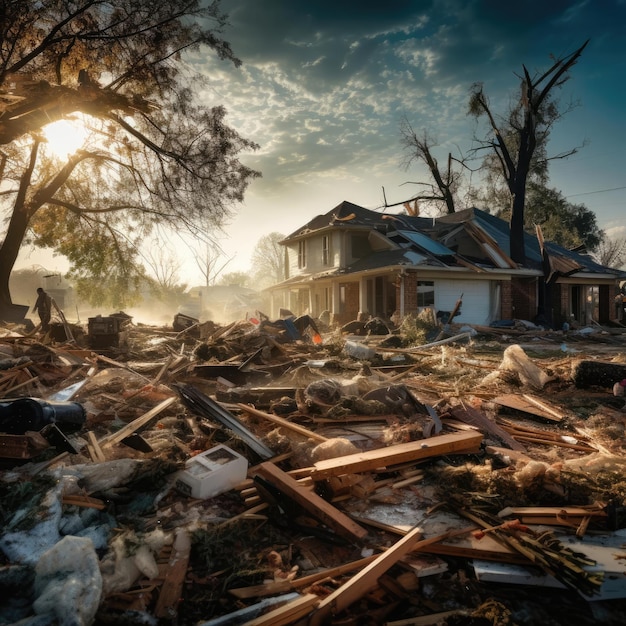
(531, 405)
(311, 502)
(464, 442)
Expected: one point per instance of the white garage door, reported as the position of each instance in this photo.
(477, 300)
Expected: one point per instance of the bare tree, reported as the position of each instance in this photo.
(611, 251)
(163, 265)
(515, 142)
(268, 259)
(210, 262)
(442, 192)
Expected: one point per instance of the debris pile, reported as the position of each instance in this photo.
(291, 473)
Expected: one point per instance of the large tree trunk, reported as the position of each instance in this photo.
(8, 255)
(598, 374)
(23, 212)
(528, 142)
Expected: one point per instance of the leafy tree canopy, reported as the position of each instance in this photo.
(569, 225)
(156, 155)
(240, 279)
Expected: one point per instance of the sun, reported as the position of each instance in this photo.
(65, 137)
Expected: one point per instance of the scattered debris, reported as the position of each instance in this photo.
(290, 473)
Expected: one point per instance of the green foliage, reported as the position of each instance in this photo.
(569, 225)
(156, 156)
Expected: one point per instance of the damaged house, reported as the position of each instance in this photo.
(354, 262)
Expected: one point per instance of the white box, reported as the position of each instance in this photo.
(212, 472)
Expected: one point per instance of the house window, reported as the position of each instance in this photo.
(301, 254)
(325, 250)
(425, 293)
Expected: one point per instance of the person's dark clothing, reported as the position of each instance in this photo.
(43, 306)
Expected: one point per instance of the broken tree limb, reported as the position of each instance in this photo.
(598, 374)
(459, 443)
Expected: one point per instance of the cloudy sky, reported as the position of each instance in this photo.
(325, 84)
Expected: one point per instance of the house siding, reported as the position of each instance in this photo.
(353, 279)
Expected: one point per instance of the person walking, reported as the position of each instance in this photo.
(43, 306)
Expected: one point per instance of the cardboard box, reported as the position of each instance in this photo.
(212, 472)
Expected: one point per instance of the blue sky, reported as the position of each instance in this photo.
(324, 86)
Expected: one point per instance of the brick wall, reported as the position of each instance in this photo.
(560, 305)
(524, 298)
(606, 304)
(410, 293)
(506, 300)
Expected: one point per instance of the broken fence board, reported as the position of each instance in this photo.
(311, 502)
(465, 442)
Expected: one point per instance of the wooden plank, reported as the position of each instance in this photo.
(460, 542)
(98, 455)
(296, 428)
(465, 442)
(129, 429)
(367, 578)
(529, 404)
(288, 613)
(269, 589)
(84, 501)
(473, 417)
(171, 590)
(591, 509)
(311, 502)
(429, 620)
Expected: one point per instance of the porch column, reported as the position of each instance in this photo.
(335, 301)
(363, 311)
